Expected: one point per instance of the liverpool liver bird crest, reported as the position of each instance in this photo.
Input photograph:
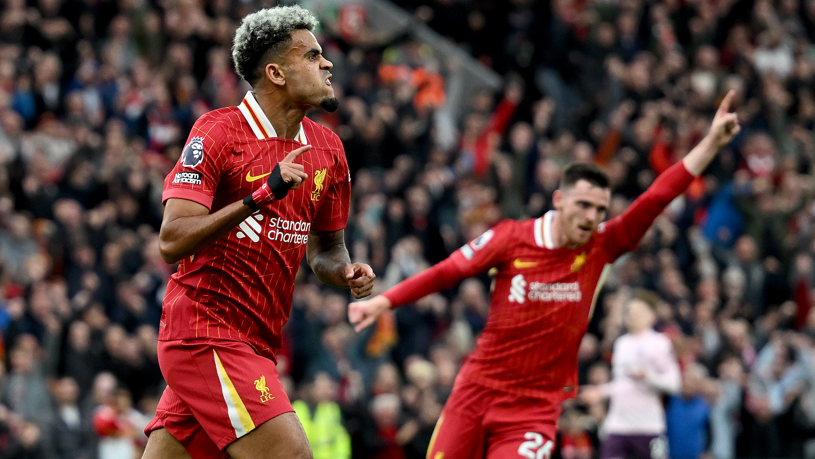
(260, 384)
(319, 178)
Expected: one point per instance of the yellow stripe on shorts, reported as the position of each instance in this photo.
(238, 414)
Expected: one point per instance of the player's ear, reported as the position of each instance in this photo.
(275, 73)
(557, 199)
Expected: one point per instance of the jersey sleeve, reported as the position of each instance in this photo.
(663, 372)
(197, 172)
(625, 231)
(475, 257)
(333, 212)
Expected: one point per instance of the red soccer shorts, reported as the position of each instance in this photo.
(217, 391)
(478, 422)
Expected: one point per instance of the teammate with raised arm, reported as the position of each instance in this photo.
(257, 187)
(506, 399)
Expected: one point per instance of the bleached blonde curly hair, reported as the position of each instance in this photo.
(263, 33)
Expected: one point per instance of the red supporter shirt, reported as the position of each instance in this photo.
(240, 287)
(543, 296)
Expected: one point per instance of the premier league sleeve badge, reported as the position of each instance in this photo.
(193, 153)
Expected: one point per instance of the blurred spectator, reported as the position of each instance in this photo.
(387, 380)
(416, 433)
(379, 435)
(687, 416)
(804, 411)
(27, 442)
(574, 441)
(725, 409)
(16, 246)
(25, 389)
(78, 360)
(322, 420)
(120, 427)
(776, 382)
(70, 434)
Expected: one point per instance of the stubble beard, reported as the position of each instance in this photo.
(577, 239)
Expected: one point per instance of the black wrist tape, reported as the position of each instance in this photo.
(279, 188)
(251, 203)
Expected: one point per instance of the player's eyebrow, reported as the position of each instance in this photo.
(313, 52)
(585, 203)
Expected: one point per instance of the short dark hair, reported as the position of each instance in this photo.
(263, 33)
(589, 172)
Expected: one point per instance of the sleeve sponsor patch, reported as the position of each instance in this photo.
(193, 153)
(467, 252)
(482, 240)
(192, 178)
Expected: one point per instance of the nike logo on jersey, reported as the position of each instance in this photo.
(520, 264)
(252, 178)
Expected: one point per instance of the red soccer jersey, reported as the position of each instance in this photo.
(240, 287)
(543, 296)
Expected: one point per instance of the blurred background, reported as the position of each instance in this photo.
(455, 114)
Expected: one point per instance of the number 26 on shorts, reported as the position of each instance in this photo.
(534, 447)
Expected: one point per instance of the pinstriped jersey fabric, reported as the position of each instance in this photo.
(543, 295)
(240, 287)
(541, 304)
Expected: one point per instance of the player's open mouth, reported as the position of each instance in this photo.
(328, 80)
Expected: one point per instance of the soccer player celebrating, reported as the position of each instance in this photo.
(506, 399)
(257, 187)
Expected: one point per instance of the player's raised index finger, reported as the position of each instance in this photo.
(295, 153)
(724, 107)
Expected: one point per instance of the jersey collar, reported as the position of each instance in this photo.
(543, 231)
(258, 121)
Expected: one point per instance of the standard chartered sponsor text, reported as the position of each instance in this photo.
(558, 291)
(289, 231)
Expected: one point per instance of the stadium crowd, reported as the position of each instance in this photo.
(97, 99)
